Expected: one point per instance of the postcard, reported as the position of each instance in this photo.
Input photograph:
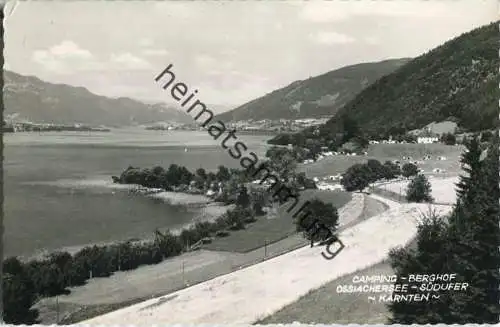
(250, 163)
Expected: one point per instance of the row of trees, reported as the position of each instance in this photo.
(359, 176)
(174, 176)
(465, 243)
(26, 282)
(316, 137)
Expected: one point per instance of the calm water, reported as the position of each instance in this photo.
(56, 193)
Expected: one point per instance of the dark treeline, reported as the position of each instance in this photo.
(26, 282)
(418, 93)
(359, 176)
(465, 243)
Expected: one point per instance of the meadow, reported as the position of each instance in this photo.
(278, 282)
(269, 229)
(337, 164)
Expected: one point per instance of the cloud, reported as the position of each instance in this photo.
(48, 61)
(331, 37)
(60, 57)
(322, 11)
(155, 52)
(69, 49)
(129, 61)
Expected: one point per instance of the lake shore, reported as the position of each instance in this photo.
(208, 211)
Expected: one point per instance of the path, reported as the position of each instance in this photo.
(277, 282)
(173, 274)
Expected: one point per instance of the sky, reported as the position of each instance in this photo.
(230, 51)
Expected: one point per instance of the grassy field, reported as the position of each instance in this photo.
(140, 284)
(271, 230)
(382, 152)
(326, 306)
(277, 283)
(443, 189)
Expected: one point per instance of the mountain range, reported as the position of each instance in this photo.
(314, 97)
(457, 81)
(31, 99)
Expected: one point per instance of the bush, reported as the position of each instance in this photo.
(250, 220)
(376, 170)
(19, 295)
(449, 139)
(409, 170)
(222, 233)
(357, 177)
(391, 170)
(419, 190)
(486, 136)
(318, 214)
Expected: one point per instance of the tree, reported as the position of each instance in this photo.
(449, 139)
(18, 297)
(350, 127)
(419, 190)
(168, 244)
(471, 165)
(356, 178)
(235, 218)
(201, 173)
(486, 136)
(19, 293)
(282, 160)
(243, 198)
(409, 138)
(428, 257)
(258, 199)
(409, 170)
(319, 222)
(376, 169)
(223, 174)
(466, 243)
(391, 170)
(474, 235)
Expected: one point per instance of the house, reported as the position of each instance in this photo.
(329, 187)
(427, 139)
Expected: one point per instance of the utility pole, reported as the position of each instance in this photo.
(57, 310)
(183, 276)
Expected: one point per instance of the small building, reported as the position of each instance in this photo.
(427, 139)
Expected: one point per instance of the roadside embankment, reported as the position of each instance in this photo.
(279, 281)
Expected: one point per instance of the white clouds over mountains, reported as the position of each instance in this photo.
(67, 57)
(234, 50)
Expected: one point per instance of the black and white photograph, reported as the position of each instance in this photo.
(250, 162)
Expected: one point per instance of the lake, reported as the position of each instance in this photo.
(58, 192)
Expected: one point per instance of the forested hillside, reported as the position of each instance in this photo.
(317, 96)
(456, 81)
